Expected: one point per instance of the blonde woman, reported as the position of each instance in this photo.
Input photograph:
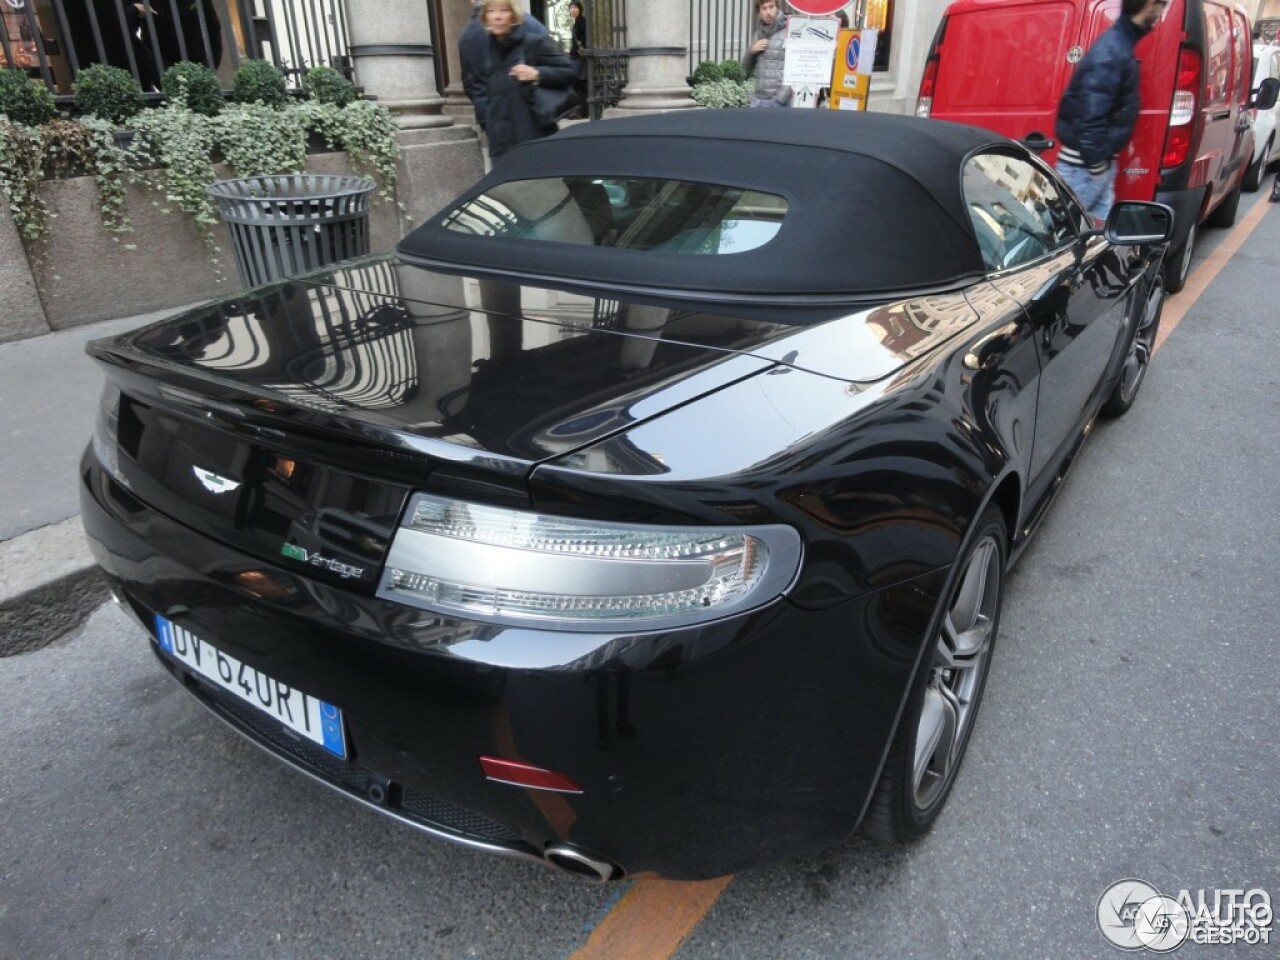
(514, 61)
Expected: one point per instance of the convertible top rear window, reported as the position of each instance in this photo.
(633, 213)
(873, 207)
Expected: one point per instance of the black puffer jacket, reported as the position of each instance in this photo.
(471, 51)
(1097, 113)
(508, 116)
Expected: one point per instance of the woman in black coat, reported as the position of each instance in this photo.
(513, 63)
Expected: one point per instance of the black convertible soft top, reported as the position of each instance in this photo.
(874, 204)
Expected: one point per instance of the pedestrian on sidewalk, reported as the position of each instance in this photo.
(515, 62)
(577, 50)
(471, 52)
(1097, 112)
(765, 56)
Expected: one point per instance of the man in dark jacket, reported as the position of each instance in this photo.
(1097, 113)
(472, 44)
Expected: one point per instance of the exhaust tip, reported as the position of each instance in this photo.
(570, 859)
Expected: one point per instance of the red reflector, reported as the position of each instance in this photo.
(1177, 146)
(526, 775)
(930, 78)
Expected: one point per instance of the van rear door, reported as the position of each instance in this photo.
(1003, 66)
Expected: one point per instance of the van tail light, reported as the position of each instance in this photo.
(1184, 109)
(929, 80)
(924, 102)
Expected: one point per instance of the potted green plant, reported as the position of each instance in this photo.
(327, 85)
(60, 148)
(721, 83)
(107, 92)
(194, 86)
(366, 131)
(255, 139)
(25, 101)
(258, 81)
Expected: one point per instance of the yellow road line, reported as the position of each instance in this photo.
(651, 920)
(1176, 307)
(655, 916)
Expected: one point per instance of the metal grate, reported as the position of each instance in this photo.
(287, 225)
(606, 55)
(719, 29)
(53, 40)
(438, 813)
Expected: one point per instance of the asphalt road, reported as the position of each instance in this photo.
(1129, 730)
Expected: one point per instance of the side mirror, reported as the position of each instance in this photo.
(1138, 223)
(1268, 92)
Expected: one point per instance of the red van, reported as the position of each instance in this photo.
(1003, 64)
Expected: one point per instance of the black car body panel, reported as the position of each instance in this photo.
(257, 459)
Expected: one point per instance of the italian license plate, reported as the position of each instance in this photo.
(305, 715)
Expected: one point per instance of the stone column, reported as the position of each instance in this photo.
(658, 45)
(391, 47)
(456, 14)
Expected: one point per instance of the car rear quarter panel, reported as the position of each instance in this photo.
(881, 479)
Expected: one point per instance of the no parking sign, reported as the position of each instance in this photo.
(851, 77)
(817, 8)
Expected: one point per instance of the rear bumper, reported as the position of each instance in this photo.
(699, 752)
(1186, 205)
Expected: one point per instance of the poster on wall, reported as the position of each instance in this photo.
(809, 53)
(851, 74)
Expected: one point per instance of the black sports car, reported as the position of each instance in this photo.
(651, 509)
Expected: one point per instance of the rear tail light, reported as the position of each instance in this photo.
(1183, 110)
(924, 102)
(522, 568)
(929, 80)
(106, 435)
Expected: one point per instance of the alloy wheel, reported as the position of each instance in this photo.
(1143, 345)
(1179, 267)
(961, 656)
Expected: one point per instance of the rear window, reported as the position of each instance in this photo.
(633, 213)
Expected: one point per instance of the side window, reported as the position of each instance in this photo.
(1217, 68)
(1244, 57)
(1018, 212)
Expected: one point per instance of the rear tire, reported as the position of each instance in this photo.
(934, 730)
(1257, 170)
(1138, 358)
(1177, 263)
(1225, 215)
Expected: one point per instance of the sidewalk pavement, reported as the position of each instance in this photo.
(49, 393)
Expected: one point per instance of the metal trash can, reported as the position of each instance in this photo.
(286, 225)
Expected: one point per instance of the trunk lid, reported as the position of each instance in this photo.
(293, 423)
